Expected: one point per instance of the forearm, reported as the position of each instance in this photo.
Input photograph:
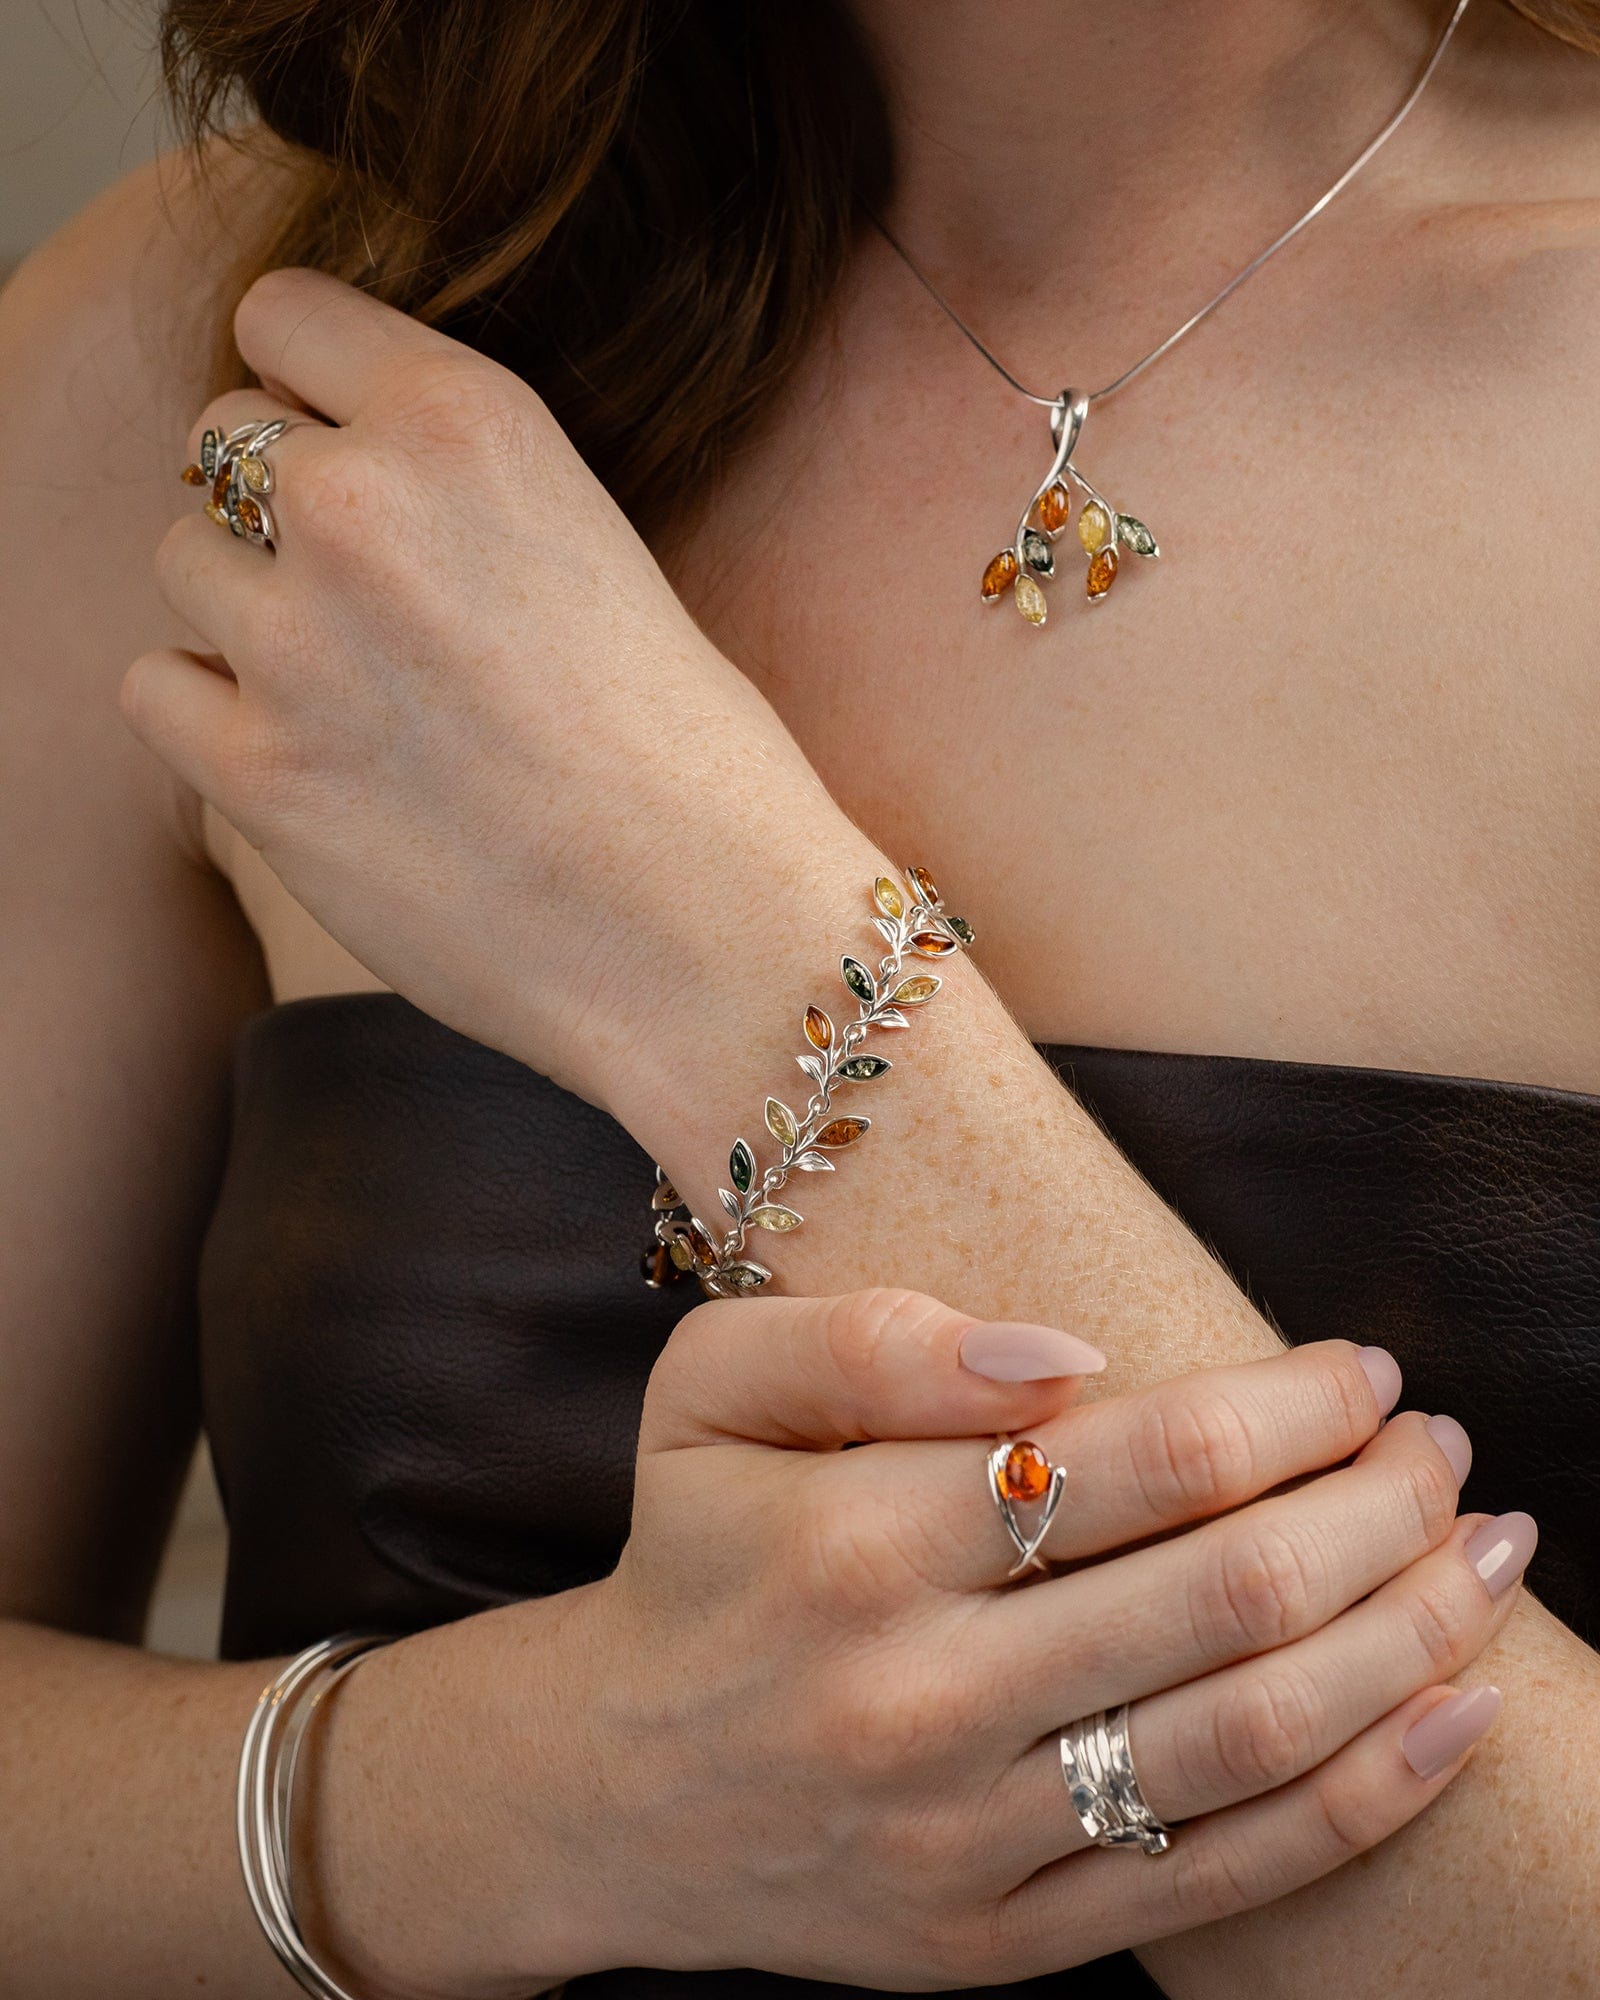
(118, 1868)
(983, 1183)
(117, 1863)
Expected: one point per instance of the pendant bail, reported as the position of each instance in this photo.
(1067, 414)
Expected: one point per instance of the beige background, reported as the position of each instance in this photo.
(78, 107)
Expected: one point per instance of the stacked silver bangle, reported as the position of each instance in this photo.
(266, 1795)
(1098, 1767)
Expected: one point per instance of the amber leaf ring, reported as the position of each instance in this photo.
(239, 478)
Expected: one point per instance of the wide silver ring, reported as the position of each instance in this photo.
(1103, 1786)
(235, 468)
(1020, 1476)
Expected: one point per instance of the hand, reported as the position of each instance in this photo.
(461, 712)
(808, 1729)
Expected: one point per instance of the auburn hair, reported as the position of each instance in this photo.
(641, 206)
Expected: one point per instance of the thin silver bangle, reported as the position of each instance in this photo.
(266, 1792)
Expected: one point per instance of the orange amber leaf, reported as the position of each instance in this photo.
(819, 1029)
(194, 475)
(250, 515)
(932, 944)
(842, 1132)
(999, 574)
(1054, 509)
(924, 884)
(1027, 1473)
(1102, 573)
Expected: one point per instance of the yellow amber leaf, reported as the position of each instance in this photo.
(1030, 600)
(780, 1122)
(773, 1215)
(912, 992)
(679, 1252)
(819, 1029)
(1102, 574)
(888, 898)
(1094, 530)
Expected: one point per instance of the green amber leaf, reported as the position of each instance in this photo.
(1136, 536)
(858, 979)
(773, 1215)
(744, 1277)
(780, 1122)
(208, 453)
(860, 1068)
(962, 929)
(1037, 553)
(742, 1165)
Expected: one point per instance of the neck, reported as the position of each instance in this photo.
(1085, 135)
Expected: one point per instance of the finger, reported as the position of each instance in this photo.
(323, 340)
(187, 710)
(1227, 1590)
(1140, 1465)
(1247, 1855)
(809, 1373)
(215, 582)
(1250, 1728)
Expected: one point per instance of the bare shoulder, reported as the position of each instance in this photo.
(109, 338)
(116, 319)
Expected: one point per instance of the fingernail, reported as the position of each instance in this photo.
(1383, 1372)
(1014, 1351)
(1502, 1549)
(1453, 1441)
(1444, 1733)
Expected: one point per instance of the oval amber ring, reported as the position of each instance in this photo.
(1021, 1476)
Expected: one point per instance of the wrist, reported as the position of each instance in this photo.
(439, 1843)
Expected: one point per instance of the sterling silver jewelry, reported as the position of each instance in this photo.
(1098, 1767)
(909, 920)
(240, 478)
(1021, 1475)
(266, 1795)
(1029, 559)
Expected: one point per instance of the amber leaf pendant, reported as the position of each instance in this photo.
(1029, 563)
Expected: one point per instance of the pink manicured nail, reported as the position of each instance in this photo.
(1453, 1441)
(1444, 1733)
(1015, 1351)
(1502, 1549)
(1383, 1372)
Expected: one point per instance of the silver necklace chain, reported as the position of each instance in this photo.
(1374, 146)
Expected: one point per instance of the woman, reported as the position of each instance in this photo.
(611, 809)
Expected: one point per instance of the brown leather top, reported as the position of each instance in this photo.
(425, 1338)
